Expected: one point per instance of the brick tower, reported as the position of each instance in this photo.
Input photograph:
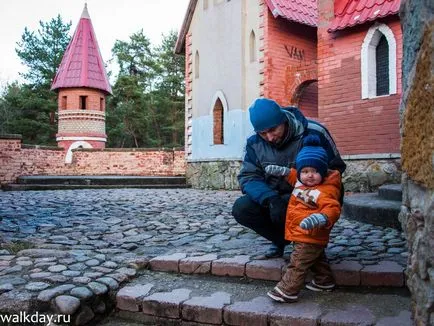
(82, 86)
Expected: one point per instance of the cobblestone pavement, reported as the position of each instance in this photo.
(152, 222)
(70, 245)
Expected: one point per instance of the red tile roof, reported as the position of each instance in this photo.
(300, 11)
(353, 12)
(82, 65)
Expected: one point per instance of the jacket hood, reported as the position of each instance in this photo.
(297, 124)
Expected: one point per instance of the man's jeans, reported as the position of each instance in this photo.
(257, 217)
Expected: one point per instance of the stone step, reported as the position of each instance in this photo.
(160, 298)
(23, 187)
(95, 182)
(370, 208)
(100, 179)
(391, 192)
(346, 272)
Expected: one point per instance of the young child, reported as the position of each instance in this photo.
(312, 211)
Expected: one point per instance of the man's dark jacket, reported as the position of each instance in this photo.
(259, 153)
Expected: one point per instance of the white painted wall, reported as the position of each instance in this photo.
(220, 34)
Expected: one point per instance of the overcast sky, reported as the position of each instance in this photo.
(111, 19)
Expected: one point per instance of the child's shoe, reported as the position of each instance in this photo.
(319, 287)
(278, 295)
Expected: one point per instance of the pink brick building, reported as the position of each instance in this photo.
(338, 61)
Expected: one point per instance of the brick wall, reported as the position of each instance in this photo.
(17, 159)
(289, 57)
(358, 126)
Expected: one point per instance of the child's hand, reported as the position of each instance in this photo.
(313, 221)
(276, 170)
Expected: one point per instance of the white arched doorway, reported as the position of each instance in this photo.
(77, 144)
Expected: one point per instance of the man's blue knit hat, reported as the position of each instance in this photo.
(312, 154)
(266, 114)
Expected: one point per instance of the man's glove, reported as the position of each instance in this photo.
(277, 170)
(313, 221)
(277, 207)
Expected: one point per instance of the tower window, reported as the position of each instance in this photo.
(101, 103)
(63, 103)
(83, 102)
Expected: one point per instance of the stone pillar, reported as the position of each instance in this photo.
(417, 152)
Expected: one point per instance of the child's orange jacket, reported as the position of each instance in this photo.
(323, 198)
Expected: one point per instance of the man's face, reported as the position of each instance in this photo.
(274, 135)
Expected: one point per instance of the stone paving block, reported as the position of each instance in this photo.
(270, 269)
(129, 297)
(165, 304)
(403, 319)
(147, 319)
(235, 266)
(168, 263)
(347, 272)
(351, 315)
(253, 312)
(15, 301)
(295, 314)
(38, 253)
(197, 264)
(206, 309)
(385, 273)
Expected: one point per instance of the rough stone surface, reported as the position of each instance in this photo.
(347, 272)
(165, 304)
(167, 263)
(47, 295)
(235, 266)
(81, 292)
(15, 301)
(265, 269)
(385, 273)
(299, 313)
(351, 315)
(128, 298)
(197, 264)
(253, 312)
(206, 309)
(66, 304)
(403, 319)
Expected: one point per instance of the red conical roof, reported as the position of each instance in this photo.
(82, 65)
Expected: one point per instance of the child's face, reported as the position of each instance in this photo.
(310, 177)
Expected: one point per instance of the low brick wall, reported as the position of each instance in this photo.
(17, 159)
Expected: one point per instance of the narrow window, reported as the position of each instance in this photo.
(63, 103)
(101, 103)
(378, 62)
(252, 47)
(218, 122)
(205, 4)
(196, 65)
(382, 66)
(83, 100)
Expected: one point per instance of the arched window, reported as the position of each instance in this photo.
(382, 66)
(378, 62)
(218, 122)
(252, 47)
(218, 109)
(196, 65)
